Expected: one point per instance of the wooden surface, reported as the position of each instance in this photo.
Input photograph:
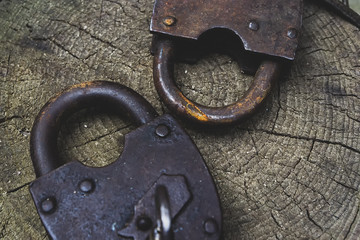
(290, 172)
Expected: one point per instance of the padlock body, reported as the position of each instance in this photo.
(80, 202)
(268, 27)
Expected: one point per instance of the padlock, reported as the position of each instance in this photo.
(159, 187)
(268, 30)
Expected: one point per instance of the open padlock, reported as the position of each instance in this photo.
(159, 188)
(269, 28)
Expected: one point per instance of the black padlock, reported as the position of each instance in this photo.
(159, 187)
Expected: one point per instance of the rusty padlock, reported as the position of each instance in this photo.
(160, 185)
(267, 28)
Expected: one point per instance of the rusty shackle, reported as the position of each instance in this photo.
(269, 29)
(176, 101)
(43, 141)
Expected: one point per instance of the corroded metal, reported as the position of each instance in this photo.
(170, 193)
(75, 201)
(262, 25)
(269, 31)
(181, 105)
(106, 94)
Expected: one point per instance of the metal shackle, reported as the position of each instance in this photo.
(175, 100)
(112, 96)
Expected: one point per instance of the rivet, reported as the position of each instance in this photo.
(253, 25)
(210, 226)
(292, 33)
(144, 223)
(169, 21)
(87, 186)
(48, 205)
(162, 130)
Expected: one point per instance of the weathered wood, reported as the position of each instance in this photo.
(290, 172)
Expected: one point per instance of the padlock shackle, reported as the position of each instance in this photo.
(177, 102)
(43, 141)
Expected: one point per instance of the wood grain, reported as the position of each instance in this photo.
(292, 171)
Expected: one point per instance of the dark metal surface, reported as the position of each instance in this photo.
(262, 25)
(269, 32)
(179, 104)
(109, 95)
(79, 202)
(268, 27)
(148, 207)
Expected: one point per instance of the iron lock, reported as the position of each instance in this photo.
(269, 28)
(159, 187)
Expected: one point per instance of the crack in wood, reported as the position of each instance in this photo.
(305, 138)
(99, 137)
(6, 119)
(352, 223)
(312, 220)
(18, 188)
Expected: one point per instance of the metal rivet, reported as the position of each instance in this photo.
(162, 130)
(144, 223)
(210, 226)
(87, 186)
(169, 21)
(292, 33)
(48, 205)
(253, 25)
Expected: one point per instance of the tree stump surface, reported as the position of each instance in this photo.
(292, 171)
